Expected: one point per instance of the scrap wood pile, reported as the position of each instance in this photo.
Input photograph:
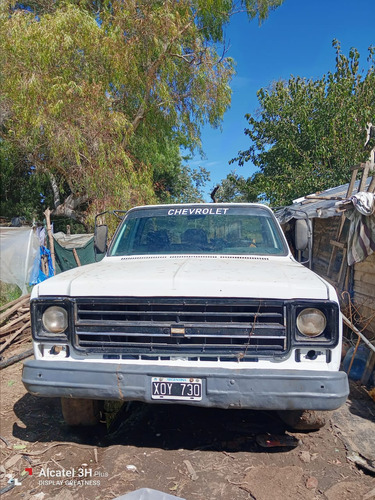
(15, 331)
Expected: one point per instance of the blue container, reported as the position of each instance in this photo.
(359, 362)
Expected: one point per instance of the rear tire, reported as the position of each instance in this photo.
(80, 412)
(304, 420)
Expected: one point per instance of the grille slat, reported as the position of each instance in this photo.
(214, 335)
(137, 326)
(215, 327)
(103, 313)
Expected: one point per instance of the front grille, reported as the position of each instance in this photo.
(230, 328)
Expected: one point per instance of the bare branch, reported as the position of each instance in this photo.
(151, 75)
(55, 190)
(189, 58)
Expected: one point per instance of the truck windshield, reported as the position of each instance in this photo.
(203, 229)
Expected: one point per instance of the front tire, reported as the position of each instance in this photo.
(80, 412)
(304, 420)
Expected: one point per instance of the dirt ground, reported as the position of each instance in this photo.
(188, 452)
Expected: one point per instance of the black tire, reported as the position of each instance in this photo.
(304, 420)
(80, 412)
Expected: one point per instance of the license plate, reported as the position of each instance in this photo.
(180, 389)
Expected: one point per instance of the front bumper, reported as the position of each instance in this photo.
(257, 389)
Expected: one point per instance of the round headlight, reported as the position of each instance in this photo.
(311, 322)
(55, 319)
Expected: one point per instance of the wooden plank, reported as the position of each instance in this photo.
(339, 232)
(5, 315)
(352, 181)
(12, 337)
(365, 172)
(368, 265)
(24, 309)
(9, 326)
(16, 301)
(317, 197)
(342, 271)
(367, 289)
(331, 261)
(361, 298)
(14, 359)
(365, 268)
(47, 214)
(338, 244)
(365, 278)
(337, 256)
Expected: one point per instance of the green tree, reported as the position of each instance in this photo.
(308, 133)
(20, 188)
(94, 91)
(235, 188)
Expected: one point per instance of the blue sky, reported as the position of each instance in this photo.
(296, 39)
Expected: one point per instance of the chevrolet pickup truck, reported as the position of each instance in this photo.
(199, 304)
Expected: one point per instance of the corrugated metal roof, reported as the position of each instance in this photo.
(322, 208)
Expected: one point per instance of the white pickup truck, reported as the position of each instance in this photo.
(199, 304)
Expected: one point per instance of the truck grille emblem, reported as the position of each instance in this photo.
(177, 331)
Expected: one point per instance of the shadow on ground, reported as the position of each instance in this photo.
(169, 427)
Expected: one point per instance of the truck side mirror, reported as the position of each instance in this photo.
(100, 238)
(302, 234)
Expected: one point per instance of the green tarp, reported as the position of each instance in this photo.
(64, 245)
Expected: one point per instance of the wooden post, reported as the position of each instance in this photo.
(47, 214)
(76, 257)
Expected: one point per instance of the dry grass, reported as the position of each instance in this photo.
(8, 293)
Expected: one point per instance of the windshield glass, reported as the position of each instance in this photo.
(204, 229)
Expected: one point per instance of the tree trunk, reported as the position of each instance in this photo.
(70, 208)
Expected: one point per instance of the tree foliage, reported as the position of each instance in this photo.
(20, 188)
(308, 133)
(98, 95)
(236, 188)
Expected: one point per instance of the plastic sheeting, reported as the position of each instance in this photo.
(19, 246)
(37, 274)
(148, 494)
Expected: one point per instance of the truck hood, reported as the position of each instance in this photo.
(188, 276)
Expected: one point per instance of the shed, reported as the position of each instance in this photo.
(330, 253)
